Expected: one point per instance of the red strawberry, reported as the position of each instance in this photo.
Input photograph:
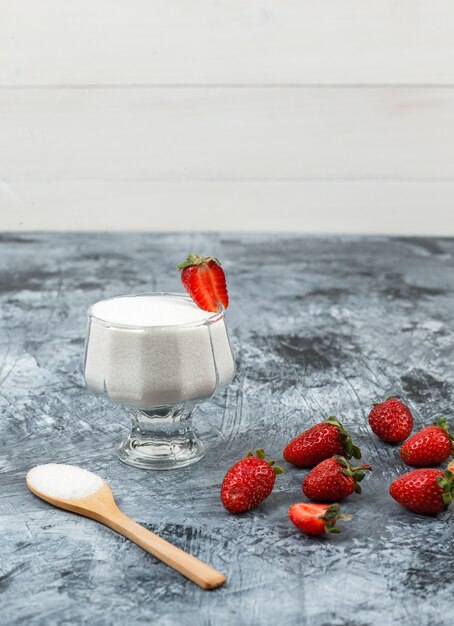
(451, 466)
(248, 482)
(425, 491)
(333, 480)
(391, 420)
(431, 446)
(204, 280)
(321, 442)
(316, 519)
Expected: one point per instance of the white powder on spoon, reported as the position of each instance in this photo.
(58, 480)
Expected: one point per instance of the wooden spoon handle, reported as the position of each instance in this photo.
(191, 567)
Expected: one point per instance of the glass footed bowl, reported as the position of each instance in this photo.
(160, 374)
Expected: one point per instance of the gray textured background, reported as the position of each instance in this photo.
(319, 326)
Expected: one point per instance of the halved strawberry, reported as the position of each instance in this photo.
(204, 280)
(316, 519)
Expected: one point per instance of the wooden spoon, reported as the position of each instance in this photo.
(102, 507)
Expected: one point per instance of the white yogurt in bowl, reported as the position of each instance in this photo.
(152, 350)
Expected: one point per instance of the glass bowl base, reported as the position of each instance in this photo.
(160, 455)
(161, 438)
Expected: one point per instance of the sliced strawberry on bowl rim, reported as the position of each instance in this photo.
(204, 280)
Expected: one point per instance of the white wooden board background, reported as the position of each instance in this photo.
(297, 115)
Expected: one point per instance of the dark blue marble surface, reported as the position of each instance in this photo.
(320, 326)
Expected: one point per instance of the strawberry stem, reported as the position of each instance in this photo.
(446, 482)
(196, 259)
(350, 450)
(374, 404)
(260, 454)
(357, 473)
(331, 516)
(442, 423)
